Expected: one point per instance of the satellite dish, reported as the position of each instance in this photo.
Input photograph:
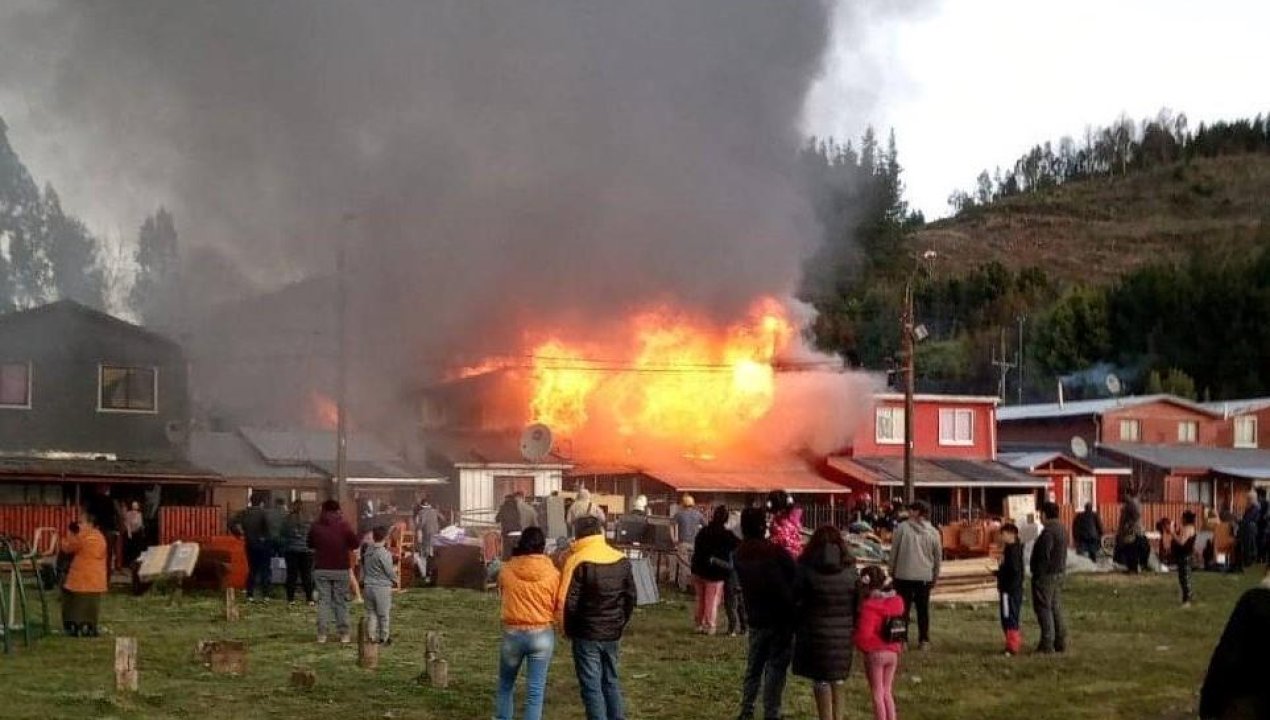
(535, 442)
(1113, 384)
(1079, 447)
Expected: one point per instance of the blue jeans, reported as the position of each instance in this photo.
(595, 662)
(259, 573)
(533, 648)
(767, 666)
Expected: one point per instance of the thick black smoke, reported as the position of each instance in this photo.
(489, 164)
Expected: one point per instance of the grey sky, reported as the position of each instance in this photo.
(969, 84)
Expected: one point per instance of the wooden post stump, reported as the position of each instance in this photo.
(231, 606)
(224, 657)
(126, 678)
(303, 679)
(367, 650)
(439, 671)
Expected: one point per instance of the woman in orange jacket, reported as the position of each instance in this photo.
(529, 582)
(86, 579)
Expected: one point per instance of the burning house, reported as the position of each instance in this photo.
(663, 404)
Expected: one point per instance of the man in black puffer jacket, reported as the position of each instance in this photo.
(768, 576)
(823, 642)
(596, 600)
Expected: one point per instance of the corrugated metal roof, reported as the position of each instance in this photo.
(1095, 460)
(1028, 462)
(1079, 408)
(1239, 407)
(230, 455)
(744, 478)
(120, 470)
(936, 473)
(1232, 461)
(367, 470)
(289, 446)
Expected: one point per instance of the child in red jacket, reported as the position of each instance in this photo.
(881, 656)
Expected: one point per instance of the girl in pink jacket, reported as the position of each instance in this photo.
(881, 656)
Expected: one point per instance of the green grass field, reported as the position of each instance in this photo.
(1135, 654)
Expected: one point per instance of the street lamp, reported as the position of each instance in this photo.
(912, 334)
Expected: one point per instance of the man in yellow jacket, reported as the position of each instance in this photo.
(596, 599)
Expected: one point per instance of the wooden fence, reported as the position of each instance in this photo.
(190, 523)
(175, 523)
(22, 520)
(1151, 513)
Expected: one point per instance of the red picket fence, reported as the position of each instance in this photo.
(22, 520)
(190, 523)
(1151, 513)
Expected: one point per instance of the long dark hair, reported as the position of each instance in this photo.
(532, 542)
(873, 577)
(825, 536)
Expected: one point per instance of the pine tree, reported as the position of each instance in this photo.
(21, 231)
(155, 296)
(72, 254)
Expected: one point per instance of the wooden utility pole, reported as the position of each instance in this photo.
(341, 376)
(909, 350)
(1004, 366)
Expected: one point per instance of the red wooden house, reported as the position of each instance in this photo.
(955, 463)
(1176, 450)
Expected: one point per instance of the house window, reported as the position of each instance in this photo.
(1130, 430)
(15, 385)
(1083, 491)
(956, 427)
(505, 485)
(1199, 491)
(1187, 431)
(1246, 431)
(128, 389)
(890, 426)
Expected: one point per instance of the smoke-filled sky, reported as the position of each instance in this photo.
(483, 159)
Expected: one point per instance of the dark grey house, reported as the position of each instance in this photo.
(89, 399)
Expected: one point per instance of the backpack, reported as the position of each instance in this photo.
(894, 629)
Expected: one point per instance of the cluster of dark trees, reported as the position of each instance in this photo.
(1199, 328)
(1120, 148)
(48, 254)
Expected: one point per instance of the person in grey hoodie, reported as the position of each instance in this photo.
(1049, 565)
(916, 551)
(379, 577)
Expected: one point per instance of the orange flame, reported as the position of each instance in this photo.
(675, 379)
(324, 413)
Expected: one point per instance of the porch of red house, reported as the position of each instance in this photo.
(185, 523)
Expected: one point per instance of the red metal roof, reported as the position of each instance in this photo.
(707, 477)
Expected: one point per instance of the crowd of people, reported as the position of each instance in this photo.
(805, 607)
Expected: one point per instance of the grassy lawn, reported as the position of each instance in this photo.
(1135, 654)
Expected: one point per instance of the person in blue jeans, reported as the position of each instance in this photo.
(595, 602)
(252, 525)
(530, 583)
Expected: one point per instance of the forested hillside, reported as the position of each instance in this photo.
(1143, 249)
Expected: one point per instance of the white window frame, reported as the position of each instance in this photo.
(101, 368)
(1250, 421)
(30, 385)
(1137, 430)
(1202, 484)
(1188, 432)
(948, 418)
(1079, 498)
(896, 416)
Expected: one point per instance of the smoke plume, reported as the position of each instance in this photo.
(489, 165)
